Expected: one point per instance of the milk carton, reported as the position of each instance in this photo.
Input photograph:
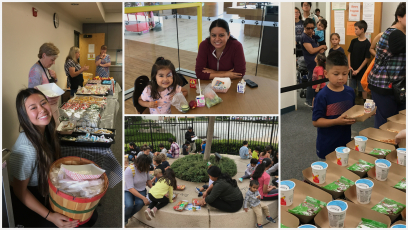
(369, 106)
(241, 86)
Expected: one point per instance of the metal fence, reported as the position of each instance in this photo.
(229, 132)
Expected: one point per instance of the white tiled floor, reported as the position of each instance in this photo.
(188, 35)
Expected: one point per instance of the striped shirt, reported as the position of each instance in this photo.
(387, 66)
(22, 161)
(70, 63)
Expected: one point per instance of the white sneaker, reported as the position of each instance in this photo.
(147, 215)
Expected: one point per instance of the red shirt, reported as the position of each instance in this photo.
(232, 57)
(318, 71)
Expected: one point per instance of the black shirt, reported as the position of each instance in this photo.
(359, 51)
(338, 49)
(397, 42)
(185, 150)
(165, 164)
(188, 136)
(162, 167)
(133, 153)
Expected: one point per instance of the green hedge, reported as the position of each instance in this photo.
(194, 168)
(147, 137)
(222, 146)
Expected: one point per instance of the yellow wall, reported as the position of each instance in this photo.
(23, 35)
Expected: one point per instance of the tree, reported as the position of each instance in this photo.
(210, 134)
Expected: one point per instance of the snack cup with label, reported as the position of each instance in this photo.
(337, 213)
(319, 169)
(401, 156)
(364, 188)
(382, 166)
(287, 190)
(342, 155)
(360, 143)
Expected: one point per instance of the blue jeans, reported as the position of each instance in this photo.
(169, 155)
(356, 83)
(133, 204)
(131, 157)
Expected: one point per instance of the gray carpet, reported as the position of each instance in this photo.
(298, 140)
(110, 209)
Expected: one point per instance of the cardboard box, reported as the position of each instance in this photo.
(50, 90)
(392, 157)
(354, 156)
(334, 172)
(379, 192)
(392, 127)
(403, 112)
(395, 175)
(399, 118)
(378, 135)
(354, 214)
(302, 190)
(289, 220)
(399, 222)
(370, 145)
(357, 112)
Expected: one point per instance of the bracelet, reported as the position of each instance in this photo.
(47, 214)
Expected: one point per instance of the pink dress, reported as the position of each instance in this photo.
(163, 102)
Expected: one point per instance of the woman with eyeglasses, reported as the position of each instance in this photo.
(310, 49)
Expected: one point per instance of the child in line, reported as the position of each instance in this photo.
(253, 197)
(255, 153)
(335, 41)
(205, 187)
(186, 148)
(157, 194)
(318, 73)
(157, 175)
(251, 168)
(320, 30)
(333, 128)
(203, 145)
(358, 57)
(163, 85)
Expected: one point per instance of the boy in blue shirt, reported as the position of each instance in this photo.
(333, 128)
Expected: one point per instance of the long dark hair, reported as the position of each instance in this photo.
(400, 11)
(162, 63)
(260, 169)
(300, 14)
(228, 178)
(223, 24)
(169, 177)
(46, 146)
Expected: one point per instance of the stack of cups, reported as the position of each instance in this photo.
(360, 143)
(319, 169)
(307, 226)
(364, 188)
(382, 166)
(401, 156)
(342, 154)
(337, 213)
(287, 188)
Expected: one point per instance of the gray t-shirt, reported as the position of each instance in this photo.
(164, 151)
(22, 161)
(141, 153)
(138, 181)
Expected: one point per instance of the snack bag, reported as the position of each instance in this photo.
(181, 187)
(309, 207)
(221, 85)
(378, 151)
(197, 201)
(181, 205)
(211, 98)
(367, 223)
(339, 185)
(361, 166)
(180, 102)
(402, 184)
(193, 83)
(388, 207)
(283, 226)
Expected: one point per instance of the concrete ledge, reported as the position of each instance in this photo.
(207, 217)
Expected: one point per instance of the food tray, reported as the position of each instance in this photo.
(180, 187)
(70, 171)
(95, 134)
(85, 143)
